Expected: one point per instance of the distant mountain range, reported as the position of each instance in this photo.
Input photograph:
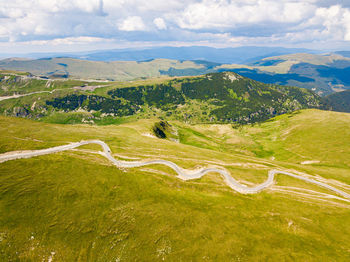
(343, 53)
(324, 74)
(237, 55)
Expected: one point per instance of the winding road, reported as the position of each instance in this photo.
(27, 94)
(183, 174)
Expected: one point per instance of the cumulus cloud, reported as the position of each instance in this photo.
(226, 14)
(68, 41)
(327, 24)
(160, 23)
(132, 23)
(213, 21)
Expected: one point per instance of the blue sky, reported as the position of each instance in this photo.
(78, 25)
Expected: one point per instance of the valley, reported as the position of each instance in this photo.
(197, 130)
(323, 73)
(259, 163)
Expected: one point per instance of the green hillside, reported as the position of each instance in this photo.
(213, 98)
(324, 74)
(76, 206)
(339, 101)
(24, 83)
(117, 70)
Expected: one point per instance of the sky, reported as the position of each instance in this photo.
(80, 25)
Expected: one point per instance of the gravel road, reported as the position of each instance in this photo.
(183, 174)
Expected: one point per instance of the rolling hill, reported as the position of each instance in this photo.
(243, 54)
(75, 68)
(212, 98)
(339, 101)
(324, 74)
(75, 205)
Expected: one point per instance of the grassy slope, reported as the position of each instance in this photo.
(311, 135)
(299, 136)
(80, 207)
(17, 83)
(340, 101)
(217, 97)
(287, 61)
(118, 70)
(283, 72)
(288, 72)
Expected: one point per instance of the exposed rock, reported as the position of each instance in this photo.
(20, 112)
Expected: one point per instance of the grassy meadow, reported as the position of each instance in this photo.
(76, 206)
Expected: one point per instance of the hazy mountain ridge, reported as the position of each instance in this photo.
(323, 74)
(75, 68)
(244, 54)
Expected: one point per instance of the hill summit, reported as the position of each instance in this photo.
(214, 97)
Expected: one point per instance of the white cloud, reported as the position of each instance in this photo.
(132, 23)
(347, 26)
(141, 6)
(3, 31)
(69, 41)
(10, 12)
(229, 14)
(160, 23)
(232, 21)
(54, 6)
(332, 23)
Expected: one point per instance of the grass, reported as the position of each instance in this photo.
(67, 118)
(116, 70)
(19, 83)
(84, 117)
(110, 215)
(80, 207)
(310, 135)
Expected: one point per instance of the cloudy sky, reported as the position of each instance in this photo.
(73, 25)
